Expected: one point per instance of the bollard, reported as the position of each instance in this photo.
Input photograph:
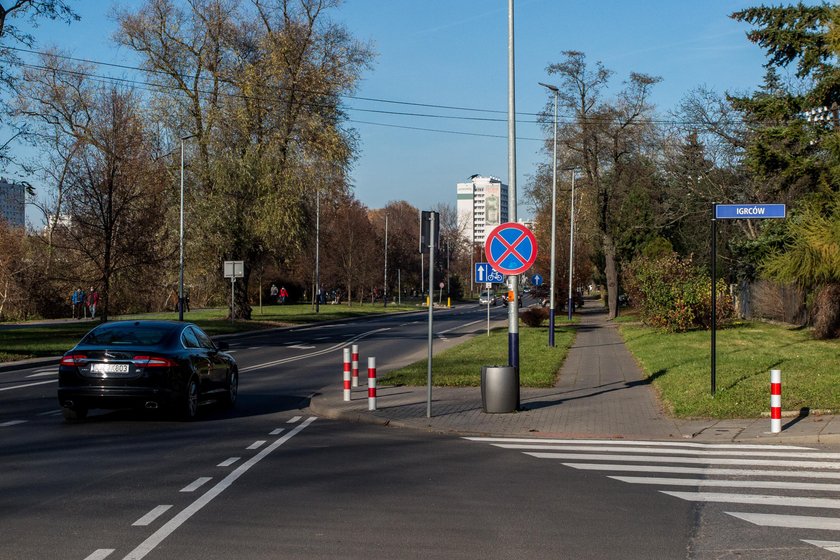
(449, 302)
(775, 401)
(346, 374)
(371, 383)
(355, 375)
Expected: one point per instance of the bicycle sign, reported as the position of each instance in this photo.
(486, 273)
(511, 248)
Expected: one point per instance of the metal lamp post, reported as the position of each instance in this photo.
(572, 248)
(553, 218)
(181, 236)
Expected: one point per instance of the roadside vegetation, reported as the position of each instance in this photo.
(460, 366)
(679, 365)
(31, 341)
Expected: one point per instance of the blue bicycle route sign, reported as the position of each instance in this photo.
(749, 211)
(484, 272)
(511, 248)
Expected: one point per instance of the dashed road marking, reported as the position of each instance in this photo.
(100, 554)
(151, 516)
(276, 432)
(28, 385)
(12, 423)
(293, 419)
(196, 484)
(256, 444)
(228, 462)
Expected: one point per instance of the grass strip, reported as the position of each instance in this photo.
(460, 366)
(680, 366)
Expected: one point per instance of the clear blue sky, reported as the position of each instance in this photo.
(454, 52)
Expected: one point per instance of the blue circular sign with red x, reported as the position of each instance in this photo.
(511, 248)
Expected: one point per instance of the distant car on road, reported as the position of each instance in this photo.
(487, 296)
(146, 364)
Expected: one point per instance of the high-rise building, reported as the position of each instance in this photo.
(12, 199)
(482, 205)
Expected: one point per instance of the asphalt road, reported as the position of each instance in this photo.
(269, 480)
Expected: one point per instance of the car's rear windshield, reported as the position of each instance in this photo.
(127, 335)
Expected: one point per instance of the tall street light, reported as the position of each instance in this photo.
(553, 217)
(181, 237)
(572, 247)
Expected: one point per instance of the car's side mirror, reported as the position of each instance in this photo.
(222, 345)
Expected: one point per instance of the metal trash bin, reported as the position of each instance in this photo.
(499, 389)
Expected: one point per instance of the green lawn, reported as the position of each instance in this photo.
(25, 341)
(679, 364)
(460, 366)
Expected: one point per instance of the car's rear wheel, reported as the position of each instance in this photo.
(229, 399)
(188, 406)
(74, 413)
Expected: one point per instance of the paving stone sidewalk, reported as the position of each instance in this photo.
(601, 393)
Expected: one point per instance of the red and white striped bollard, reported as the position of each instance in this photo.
(346, 374)
(371, 383)
(355, 364)
(775, 401)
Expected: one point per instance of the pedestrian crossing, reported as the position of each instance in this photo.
(774, 478)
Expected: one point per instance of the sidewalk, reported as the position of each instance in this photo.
(601, 393)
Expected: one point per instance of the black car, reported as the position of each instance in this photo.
(146, 364)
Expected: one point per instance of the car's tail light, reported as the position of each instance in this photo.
(73, 360)
(153, 361)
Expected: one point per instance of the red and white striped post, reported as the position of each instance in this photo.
(355, 376)
(371, 383)
(775, 401)
(346, 374)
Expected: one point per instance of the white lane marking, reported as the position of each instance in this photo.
(231, 351)
(313, 354)
(322, 338)
(42, 373)
(228, 462)
(708, 471)
(636, 442)
(300, 347)
(28, 385)
(831, 546)
(253, 347)
(256, 444)
(692, 452)
(100, 554)
(755, 499)
(686, 460)
(789, 521)
(50, 413)
(458, 327)
(151, 516)
(12, 423)
(196, 484)
(276, 432)
(704, 482)
(170, 526)
(293, 420)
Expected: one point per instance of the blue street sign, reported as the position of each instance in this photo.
(537, 280)
(511, 248)
(484, 272)
(749, 211)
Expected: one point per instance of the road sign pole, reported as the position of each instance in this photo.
(431, 313)
(714, 295)
(513, 312)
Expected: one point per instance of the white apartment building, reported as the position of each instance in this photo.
(482, 205)
(12, 201)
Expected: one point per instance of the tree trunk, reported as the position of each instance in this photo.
(611, 273)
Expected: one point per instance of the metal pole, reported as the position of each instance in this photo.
(714, 295)
(399, 285)
(513, 311)
(317, 251)
(431, 314)
(385, 289)
(572, 249)
(232, 291)
(181, 245)
(551, 309)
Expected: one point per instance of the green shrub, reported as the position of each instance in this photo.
(672, 293)
(534, 316)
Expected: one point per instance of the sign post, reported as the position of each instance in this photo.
(429, 233)
(511, 248)
(733, 212)
(233, 270)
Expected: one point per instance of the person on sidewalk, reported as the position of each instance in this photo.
(92, 301)
(283, 295)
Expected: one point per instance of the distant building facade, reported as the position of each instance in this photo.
(12, 199)
(482, 205)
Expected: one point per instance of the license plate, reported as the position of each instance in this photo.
(109, 368)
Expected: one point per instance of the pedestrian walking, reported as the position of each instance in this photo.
(283, 295)
(92, 301)
(78, 300)
(274, 293)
